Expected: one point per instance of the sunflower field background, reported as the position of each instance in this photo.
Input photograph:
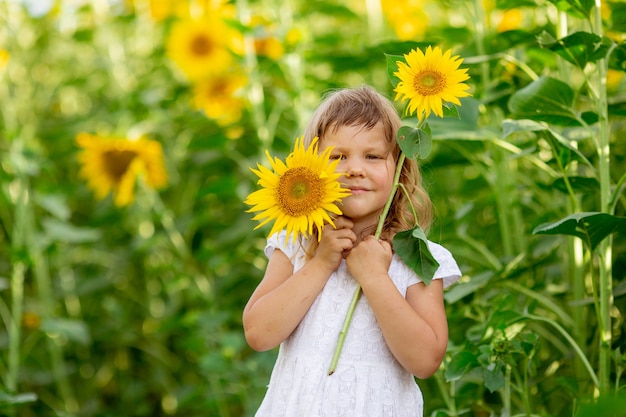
(127, 129)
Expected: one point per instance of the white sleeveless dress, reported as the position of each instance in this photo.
(368, 381)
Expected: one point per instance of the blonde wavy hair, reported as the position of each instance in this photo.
(364, 106)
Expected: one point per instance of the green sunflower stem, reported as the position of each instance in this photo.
(358, 291)
(396, 184)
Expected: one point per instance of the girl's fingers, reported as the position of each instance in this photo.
(343, 223)
(386, 245)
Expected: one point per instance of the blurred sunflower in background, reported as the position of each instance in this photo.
(162, 9)
(200, 47)
(299, 193)
(221, 97)
(266, 43)
(113, 165)
(430, 79)
(408, 18)
(4, 58)
(510, 19)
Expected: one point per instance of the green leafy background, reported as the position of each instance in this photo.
(136, 311)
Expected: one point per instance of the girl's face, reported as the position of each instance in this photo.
(368, 167)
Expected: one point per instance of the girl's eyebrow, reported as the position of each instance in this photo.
(376, 149)
(338, 149)
(367, 150)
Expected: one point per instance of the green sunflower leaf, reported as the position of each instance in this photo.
(560, 142)
(591, 227)
(414, 141)
(493, 377)
(412, 247)
(392, 66)
(450, 110)
(579, 48)
(461, 364)
(545, 99)
(578, 8)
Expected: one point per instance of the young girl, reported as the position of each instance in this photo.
(399, 328)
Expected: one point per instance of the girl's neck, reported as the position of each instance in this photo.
(362, 230)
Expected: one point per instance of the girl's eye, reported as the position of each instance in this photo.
(337, 156)
(373, 157)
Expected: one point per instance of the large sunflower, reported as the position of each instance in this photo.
(113, 165)
(429, 79)
(299, 193)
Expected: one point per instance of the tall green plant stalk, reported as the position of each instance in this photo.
(17, 284)
(579, 351)
(56, 351)
(506, 395)
(503, 181)
(447, 392)
(575, 248)
(374, 19)
(25, 246)
(605, 280)
(21, 122)
(18, 192)
(14, 330)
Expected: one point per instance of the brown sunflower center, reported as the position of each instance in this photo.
(117, 162)
(201, 46)
(218, 88)
(300, 191)
(429, 83)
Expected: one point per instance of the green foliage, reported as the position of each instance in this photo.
(592, 228)
(136, 310)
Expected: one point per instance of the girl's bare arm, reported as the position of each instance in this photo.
(283, 297)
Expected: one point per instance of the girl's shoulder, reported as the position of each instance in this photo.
(290, 247)
(448, 269)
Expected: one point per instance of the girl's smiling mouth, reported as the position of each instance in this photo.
(357, 190)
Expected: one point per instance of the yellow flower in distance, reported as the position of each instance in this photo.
(299, 193)
(221, 97)
(265, 41)
(162, 9)
(429, 79)
(407, 18)
(511, 19)
(4, 58)
(114, 165)
(270, 47)
(200, 47)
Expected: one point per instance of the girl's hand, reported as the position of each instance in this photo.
(371, 258)
(336, 243)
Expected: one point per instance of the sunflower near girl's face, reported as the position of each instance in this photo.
(298, 194)
(428, 80)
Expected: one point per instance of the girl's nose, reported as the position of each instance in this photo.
(353, 169)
